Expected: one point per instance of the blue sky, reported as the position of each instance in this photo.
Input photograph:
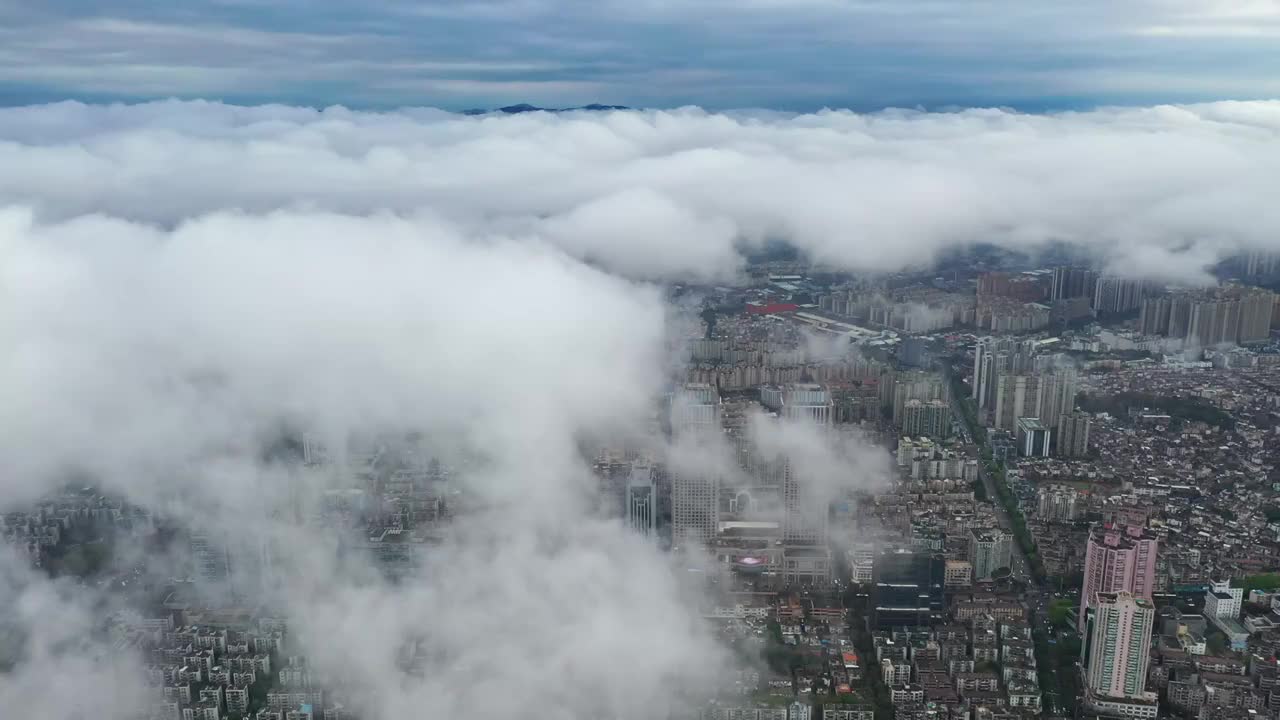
(785, 54)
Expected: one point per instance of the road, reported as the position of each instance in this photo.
(1038, 594)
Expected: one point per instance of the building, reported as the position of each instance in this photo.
(1223, 601)
(1034, 438)
(1117, 295)
(1042, 395)
(642, 500)
(1072, 282)
(957, 574)
(926, 419)
(1233, 314)
(907, 589)
(1058, 503)
(1073, 434)
(804, 513)
(920, 386)
(695, 420)
(1118, 559)
(809, 402)
(989, 550)
(1117, 651)
(993, 357)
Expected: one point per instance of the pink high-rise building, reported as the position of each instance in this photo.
(1118, 559)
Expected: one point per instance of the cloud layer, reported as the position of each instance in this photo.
(1161, 190)
(181, 283)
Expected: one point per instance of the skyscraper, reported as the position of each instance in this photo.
(907, 589)
(642, 499)
(805, 515)
(1118, 559)
(695, 420)
(989, 550)
(1118, 645)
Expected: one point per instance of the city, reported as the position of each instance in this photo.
(974, 493)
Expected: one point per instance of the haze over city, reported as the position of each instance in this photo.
(675, 360)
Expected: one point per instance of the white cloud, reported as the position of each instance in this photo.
(668, 193)
(180, 280)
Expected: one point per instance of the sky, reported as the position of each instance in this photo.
(798, 55)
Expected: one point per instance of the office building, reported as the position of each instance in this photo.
(907, 588)
(1034, 438)
(642, 500)
(926, 419)
(1117, 651)
(989, 550)
(695, 420)
(1118, 559)
(1073, 435)
(805, 514)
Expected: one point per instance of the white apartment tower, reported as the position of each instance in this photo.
(1119, 631)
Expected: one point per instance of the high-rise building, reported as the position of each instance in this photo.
(1118, 559)
(989, 550)
(695, 419)
(1073, 434)
(1044, 395)
(642, 499)
(1113, 295)
(1058, 504)
(994, 357)
(1072, 282)
(926, 419)
(805, 514)
(1118, 645)
(1034, 438)
(907, 590)
(1233, 314)
(915, 385)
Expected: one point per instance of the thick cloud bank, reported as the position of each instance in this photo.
(183, 284)
(1160, 190)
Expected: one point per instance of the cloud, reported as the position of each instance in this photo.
(676, 194)
(159, 363)
(660, 53)
(183, 285)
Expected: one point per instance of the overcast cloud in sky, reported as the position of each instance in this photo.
(782, 54)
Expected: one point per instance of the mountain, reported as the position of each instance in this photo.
(526, 107)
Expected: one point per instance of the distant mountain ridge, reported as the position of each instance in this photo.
(525, 107)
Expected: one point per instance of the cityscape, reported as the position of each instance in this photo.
(644, 360)
(971, 492)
